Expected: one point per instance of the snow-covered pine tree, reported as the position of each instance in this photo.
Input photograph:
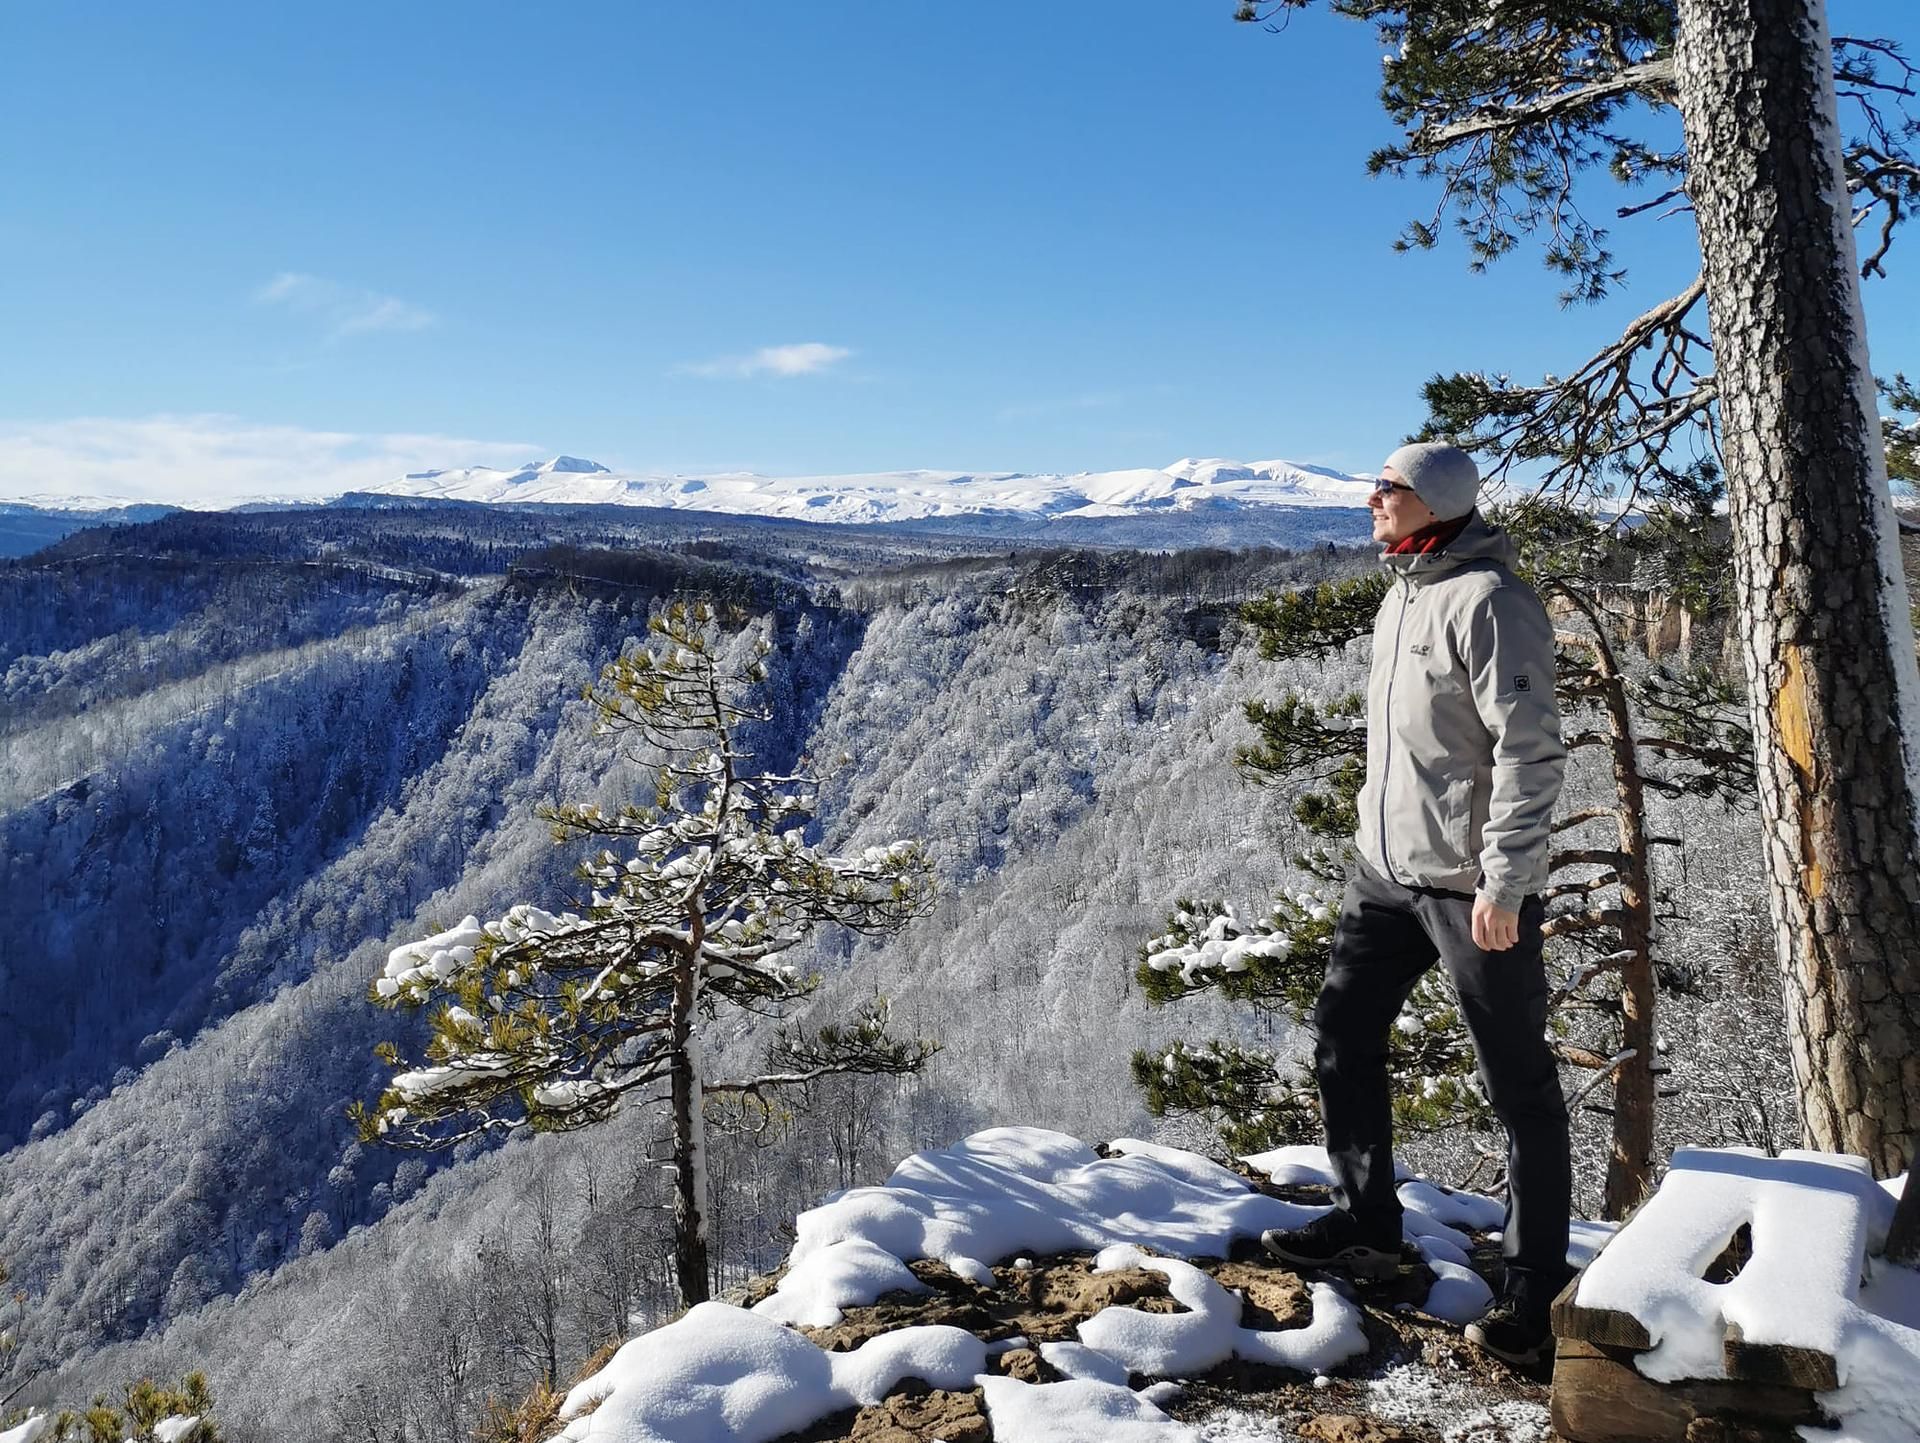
(553, 1019)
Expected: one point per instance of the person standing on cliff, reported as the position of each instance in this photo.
(1464, 765)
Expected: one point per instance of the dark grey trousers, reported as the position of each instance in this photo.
(1388, 935)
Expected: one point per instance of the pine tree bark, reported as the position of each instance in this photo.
(1821, 600)
(690, 1262)
(1630, 1167)
(1903, 1238)
(1630, 1164)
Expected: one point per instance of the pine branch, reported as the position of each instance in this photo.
(1315, 621)
(1567, 923)
(1583, 816)
(1653, 78)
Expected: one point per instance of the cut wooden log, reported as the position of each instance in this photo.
(1774, 1299)
(1600, 1397)
(1602, 1326)
(1774, 1363)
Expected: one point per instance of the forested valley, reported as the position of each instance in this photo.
(248, 756)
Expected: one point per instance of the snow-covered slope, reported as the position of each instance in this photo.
(902, 495)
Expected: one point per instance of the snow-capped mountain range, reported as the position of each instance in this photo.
(902, 495)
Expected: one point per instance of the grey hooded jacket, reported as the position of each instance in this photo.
(1464, 761)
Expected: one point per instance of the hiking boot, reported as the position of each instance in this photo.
(1335, 1240)
(1518, 1328)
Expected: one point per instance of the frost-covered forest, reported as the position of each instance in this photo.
(248, 756)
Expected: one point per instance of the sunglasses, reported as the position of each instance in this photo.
(1383, 486)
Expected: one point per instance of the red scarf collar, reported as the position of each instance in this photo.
(1429, 538)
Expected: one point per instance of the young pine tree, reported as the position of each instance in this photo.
(150, 1412)
(552, 1020)
(1662, 732)
(1259, 1099)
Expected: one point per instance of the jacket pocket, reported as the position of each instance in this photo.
(1456, 809)
(1428, 821)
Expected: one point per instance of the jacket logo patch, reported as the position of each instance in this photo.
(1420, 648)
(1523, 682)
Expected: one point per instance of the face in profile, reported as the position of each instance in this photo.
(1397, 511)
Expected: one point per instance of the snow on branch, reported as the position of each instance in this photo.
(551, 1019)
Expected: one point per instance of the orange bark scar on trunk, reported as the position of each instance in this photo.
(1792, 716)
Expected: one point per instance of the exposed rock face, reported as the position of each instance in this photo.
(1274, 1298)
(1351, 1428)
(1045, 1302)
(1657, 621)
(912, 1416)
(1024, 1364)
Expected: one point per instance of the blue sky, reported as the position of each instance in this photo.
(246, 242)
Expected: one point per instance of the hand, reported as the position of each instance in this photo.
(1494, 928)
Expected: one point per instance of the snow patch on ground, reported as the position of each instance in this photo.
(1416, 1396)
(30, 1430)
(746, 1375)
(1161, 1345)
(1009, 1194)
(1079, 1411)
(721, 1372)
(1015, 1190)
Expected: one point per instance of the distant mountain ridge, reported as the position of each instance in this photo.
(34, 522)
(1186, 485)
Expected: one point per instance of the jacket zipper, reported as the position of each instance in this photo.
(1386, 769)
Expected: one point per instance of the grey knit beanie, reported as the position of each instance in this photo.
(1442, 476)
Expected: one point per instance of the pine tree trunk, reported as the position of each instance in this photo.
(689, 1140)
(1630, 1168)
(1903, 1238)
(1822, 604)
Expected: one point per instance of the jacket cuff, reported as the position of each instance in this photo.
(1505, 898)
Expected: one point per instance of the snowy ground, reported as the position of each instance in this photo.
(1018, 1193)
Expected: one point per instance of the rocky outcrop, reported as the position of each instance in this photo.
(1033, 1302)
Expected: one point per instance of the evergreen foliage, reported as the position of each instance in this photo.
(1258, 1098)
(1691, 717)
(1297, 737)
(1510, 110)
(550, 1020)
(1319, 620)
(148, 1412)
(1902, 429)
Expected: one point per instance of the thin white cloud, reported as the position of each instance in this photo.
(807, 358)
(211, 460)
(342, 309)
